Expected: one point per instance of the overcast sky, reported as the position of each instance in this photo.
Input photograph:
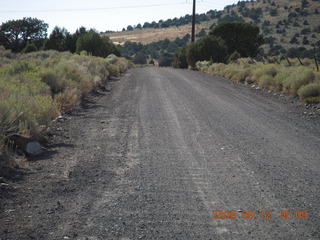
(102, 15)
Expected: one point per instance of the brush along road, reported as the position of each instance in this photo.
(174, 154)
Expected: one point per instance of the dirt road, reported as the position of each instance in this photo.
(155, 157)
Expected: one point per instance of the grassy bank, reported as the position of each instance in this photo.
(37, 87)
(302, 81)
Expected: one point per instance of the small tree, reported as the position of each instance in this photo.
(207, 48)
(58, 39)
(241, 37)
(92, 43)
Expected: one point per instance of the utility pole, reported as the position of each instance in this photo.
(193, 22)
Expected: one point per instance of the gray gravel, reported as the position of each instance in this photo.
(153, 158)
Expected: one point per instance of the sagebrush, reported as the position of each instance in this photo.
(302, 81)
(37, 87)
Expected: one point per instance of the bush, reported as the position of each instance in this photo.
(140, 58)
(266, 81)
(36, 87)
(299, 77)
(295, 80)
(310, 92)
(261, 70)
(166, 60)
(203, 66)
(234, 56)
(207, 48)
(180, 60)
(241, 37)
(4, 53)
(95, 45)
(30, 48)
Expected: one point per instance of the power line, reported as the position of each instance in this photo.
(90, 9)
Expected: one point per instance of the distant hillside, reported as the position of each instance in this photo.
(149, 35)
(284, 23)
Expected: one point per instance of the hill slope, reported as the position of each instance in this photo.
(285, 24)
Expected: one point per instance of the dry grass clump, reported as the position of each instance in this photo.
(117, 65)
(298, 77)
(203, 66)
(310, 93)
(231, 71)
(296, 80)
(36, 87)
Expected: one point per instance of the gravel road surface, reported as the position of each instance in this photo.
(161, 154)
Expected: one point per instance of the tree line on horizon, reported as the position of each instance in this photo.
(30, 34)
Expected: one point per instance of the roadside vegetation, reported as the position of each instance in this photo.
(41, 77)
(231, 50)
(225, 42)
(296, 80)
(35, 88)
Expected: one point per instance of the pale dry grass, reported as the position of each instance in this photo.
(302, 81)
(149, 35)
(35, 88)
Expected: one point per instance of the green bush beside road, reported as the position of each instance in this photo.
(302, 81)
(37, 87)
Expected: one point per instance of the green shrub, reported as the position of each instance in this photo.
(55, 81)
(261, 69)
(310, 91)
(180, 60)
(113, 69)
(233, 57)
(206, 48)
(299, 77)
(239, 36)
(203, 66)
(17, 67)
(266, 81)
(140, 58)
(95, 45)
(4, 53)
(30, 47)
(36, 87)
(294, 80)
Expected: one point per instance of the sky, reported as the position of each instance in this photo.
(102, 15)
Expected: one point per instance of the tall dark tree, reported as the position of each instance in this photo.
(58, 39)
(71, 40)
(15, 34)
(243, 38)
